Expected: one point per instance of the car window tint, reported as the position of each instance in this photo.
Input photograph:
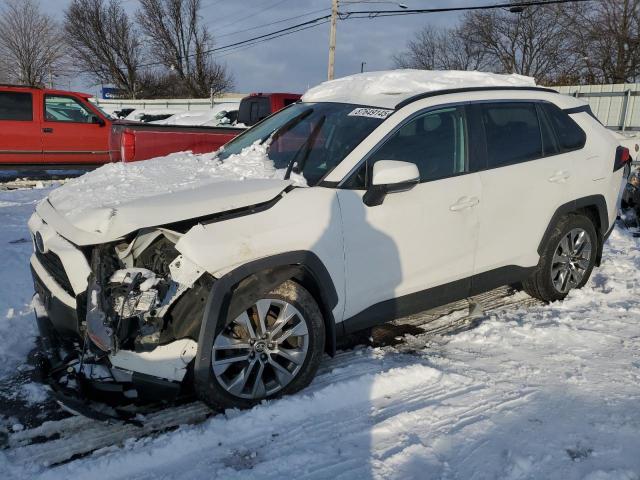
(512, 133)
(550, 145)
(66, 109)
(16, 106)
(570, 135)
(434, 141)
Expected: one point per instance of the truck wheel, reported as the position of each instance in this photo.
(272, 348)
(566, 261)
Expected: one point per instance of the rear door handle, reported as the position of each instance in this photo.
(47, 130)
(464, 203)
(560, 176)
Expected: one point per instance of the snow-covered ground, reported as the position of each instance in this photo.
(548, 392)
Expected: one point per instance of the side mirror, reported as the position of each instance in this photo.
(390, 176)
(97, 120)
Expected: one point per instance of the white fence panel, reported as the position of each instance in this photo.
(617, 106)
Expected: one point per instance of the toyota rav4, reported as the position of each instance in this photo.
(390, 193)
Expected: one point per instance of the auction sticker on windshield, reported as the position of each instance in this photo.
(371, 112)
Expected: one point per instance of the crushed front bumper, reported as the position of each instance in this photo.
(87, 383)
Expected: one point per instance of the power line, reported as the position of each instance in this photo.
(223, 26)
(244, 47)
(256, 27)
(395, 13)
(371, 14)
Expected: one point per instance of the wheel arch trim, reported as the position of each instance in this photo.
(592, 201)
(268, 272)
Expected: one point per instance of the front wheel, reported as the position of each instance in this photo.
(567, 260)
(272, 348)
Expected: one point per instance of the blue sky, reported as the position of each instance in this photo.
(298, 61)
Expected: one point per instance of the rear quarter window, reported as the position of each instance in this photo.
(16, 106)
(569, 134)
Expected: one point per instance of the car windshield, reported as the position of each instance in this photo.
(310, 138)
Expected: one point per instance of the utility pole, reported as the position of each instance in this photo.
(362, 64)
(332, 38)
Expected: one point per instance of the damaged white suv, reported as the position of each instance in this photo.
(376, 196)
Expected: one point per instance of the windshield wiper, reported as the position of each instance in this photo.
(306, 146)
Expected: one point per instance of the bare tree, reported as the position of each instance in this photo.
(31, 44)
(181, 44)
(104, 42)
(606, 36)
(442, 49)
(534, 41)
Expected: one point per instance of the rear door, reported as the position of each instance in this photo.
(20, 134)
(71, 132)
(527, 176)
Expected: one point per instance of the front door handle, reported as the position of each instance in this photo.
(464, 203)
(47, 130)
(561, 176)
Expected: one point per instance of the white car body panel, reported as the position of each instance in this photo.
(518, 202)
(304, 219)
(413, 241)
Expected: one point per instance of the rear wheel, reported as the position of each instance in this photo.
(271, 348)
(567, 260)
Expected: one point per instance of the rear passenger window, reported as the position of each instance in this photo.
(512, 132)
(570, 135)
(16, 106)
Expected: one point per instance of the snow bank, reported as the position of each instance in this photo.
(117, 183)
(207, 118)
(137, 114)
(388, 88)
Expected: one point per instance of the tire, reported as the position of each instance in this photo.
(279, 362)
(564, 252)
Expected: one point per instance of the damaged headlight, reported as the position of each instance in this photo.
(127, 301)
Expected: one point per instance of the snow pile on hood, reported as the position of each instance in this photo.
(388, 88)
(118, 183)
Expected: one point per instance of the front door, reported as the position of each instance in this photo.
(71, 133)
(419, 240)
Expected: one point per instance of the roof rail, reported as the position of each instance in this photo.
(420, 96)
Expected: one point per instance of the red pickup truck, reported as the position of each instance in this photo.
(56, 128)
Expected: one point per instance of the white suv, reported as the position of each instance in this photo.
(421, 188)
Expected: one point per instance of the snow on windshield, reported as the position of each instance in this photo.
(388, 88)
(117, 183)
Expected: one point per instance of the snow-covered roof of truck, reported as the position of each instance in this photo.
(389, 88)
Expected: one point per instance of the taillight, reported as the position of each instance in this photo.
(127, 146)
(623, 157)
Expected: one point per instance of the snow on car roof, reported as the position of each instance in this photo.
(388, 88)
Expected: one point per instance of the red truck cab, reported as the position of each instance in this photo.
(44, 126)
(54, 128)
(259, 106)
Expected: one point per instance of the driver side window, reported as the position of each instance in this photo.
(436, 142)
(58, 108)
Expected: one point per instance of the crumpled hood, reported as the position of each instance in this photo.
(100, 224)
(120, 198)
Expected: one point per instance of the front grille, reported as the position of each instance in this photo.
(52, 264)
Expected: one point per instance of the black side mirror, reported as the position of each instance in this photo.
(97, 120)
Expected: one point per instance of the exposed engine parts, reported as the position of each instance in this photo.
(136, 287)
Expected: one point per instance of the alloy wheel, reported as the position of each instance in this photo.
(262, 350)
(571, 260)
